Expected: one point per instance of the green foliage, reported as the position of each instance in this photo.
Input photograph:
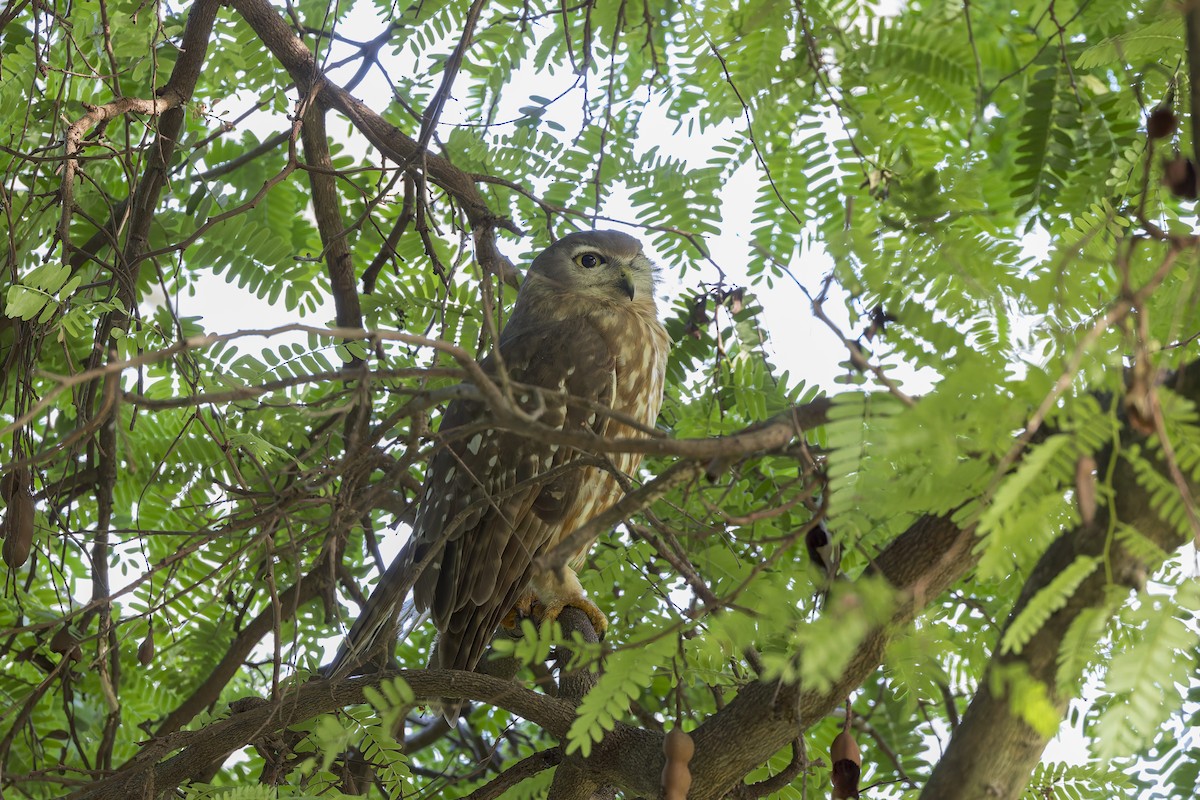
(533, 646)
(1145, 41)
(1027, 510)
(1037, 148)
(1145, 679)
(627, 673)
(946, 218)
(391, 699)
(1076, 781)
(819, 650)
(1025, 695)
(1050, 599)
(1078, 651)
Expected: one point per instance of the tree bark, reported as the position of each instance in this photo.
(994, 750)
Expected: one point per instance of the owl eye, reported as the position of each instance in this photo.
(590, 260)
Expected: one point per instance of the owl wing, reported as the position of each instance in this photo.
(483, 502)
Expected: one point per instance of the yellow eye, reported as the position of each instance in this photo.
(590, 260)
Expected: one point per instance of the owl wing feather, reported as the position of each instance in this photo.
(484, 484)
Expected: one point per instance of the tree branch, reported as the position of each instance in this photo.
(525, 768)
(154, 769)
(571, 780)
(327, 209)
(991, 725)
(766, 436)
(389, 139)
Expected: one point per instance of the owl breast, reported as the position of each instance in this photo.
(641, 347)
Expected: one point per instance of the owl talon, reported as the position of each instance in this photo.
(591, 611)
(522, 609)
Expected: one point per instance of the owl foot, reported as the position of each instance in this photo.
(590, 610)
(528, 606)
(556, 590)
(524, 607)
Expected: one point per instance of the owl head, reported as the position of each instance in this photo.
(606, 266)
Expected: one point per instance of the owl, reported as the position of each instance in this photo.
(583, 340)
(584, 337)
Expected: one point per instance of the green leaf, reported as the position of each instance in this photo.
(627, 673)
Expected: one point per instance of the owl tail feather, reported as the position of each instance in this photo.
(450, 710)
(388, 614)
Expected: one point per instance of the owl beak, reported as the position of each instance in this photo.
(626, 282)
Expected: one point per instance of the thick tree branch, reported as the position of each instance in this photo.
(155, 768)
(339, 264)
(327, 208)
(990, 725)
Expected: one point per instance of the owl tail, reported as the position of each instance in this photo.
(465, 650)
(449, 708)
(388, 615)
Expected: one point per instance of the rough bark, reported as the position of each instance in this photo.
(994, 750)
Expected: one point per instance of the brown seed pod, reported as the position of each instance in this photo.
(678, 747)
(66, 642)
(847, 766)
(14, 481)
(145, 652)
(1161, 123)
(1179, 175)
(18, 529)
(845, 748)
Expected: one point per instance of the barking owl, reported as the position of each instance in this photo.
(583, 340)
(584, 337)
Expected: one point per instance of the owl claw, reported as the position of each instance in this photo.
(590, 610)
(529, 607)
(524, 607)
